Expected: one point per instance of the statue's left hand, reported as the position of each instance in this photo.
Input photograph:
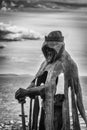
(20, 93)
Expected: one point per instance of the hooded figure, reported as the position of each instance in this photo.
(57, 61)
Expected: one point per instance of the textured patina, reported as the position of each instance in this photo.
(61, 62)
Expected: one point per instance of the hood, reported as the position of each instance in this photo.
(55, 44)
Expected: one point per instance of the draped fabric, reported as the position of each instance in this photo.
(61, 62)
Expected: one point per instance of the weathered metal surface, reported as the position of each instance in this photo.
(60, 62)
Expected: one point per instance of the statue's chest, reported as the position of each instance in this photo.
(49, 68)
(45, 73)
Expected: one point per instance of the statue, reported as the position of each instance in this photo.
(57, 61)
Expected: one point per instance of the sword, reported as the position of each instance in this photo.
(30, 114)
(22, 101)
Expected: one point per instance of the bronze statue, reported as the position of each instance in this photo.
(57, 61)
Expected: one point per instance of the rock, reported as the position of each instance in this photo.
(2, 125)
(8, 9)
(4, 4)
(4, 9)
(12, 125)
(7, 123)
(26, 123)
(11, 122)
(7, 126)
(20, 125)
(13, 4)
(19, 122)
(21, 6)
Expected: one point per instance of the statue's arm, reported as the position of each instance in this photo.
(32, 84)
(34, 91)
(21, 92)
(51, 81)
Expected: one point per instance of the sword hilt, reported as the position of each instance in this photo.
(22, 100)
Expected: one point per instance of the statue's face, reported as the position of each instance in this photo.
(53, 50)
(49, 55)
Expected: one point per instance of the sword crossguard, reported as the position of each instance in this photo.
(23, 115)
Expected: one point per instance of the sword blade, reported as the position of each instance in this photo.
(30, 113)
(23, 116)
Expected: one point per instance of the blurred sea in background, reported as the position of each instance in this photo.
(20, 60)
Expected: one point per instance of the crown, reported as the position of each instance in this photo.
(55, 36)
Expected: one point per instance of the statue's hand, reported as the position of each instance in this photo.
(21, 93)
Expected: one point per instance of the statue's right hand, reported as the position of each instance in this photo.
(20, 93)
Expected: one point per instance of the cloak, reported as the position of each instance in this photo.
(61, 63)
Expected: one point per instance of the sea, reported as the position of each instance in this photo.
(20, 60)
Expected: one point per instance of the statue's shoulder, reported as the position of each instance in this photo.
(69, 65)
(43, 64)
(41, 69)
(58, 68)
(68, 60)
